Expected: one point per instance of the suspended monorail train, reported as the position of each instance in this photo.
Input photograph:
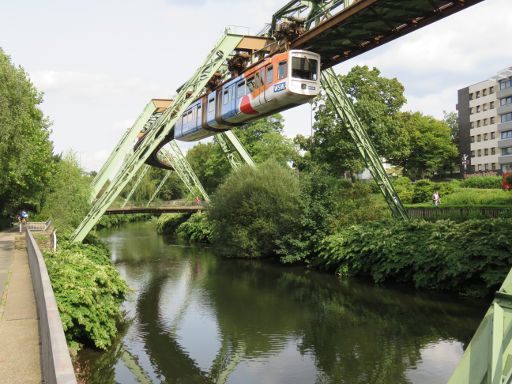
(272, 85)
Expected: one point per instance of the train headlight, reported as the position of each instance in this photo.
(303, 86)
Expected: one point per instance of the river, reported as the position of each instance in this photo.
(199, 318)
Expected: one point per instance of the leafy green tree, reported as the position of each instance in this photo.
(253, 209)
(25, 148)
(264, 140)
(377, 101)
(209, 164)
(431, 148)
(67, 201)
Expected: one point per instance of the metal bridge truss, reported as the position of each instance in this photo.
(488, 357)
(346, 112)
(159, 131)
(233, 150)
(142, 173)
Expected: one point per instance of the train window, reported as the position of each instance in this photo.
(281, 70)
(257, 80)
(211, 104)
(304, 68)
(240, 90)
(250, 85)
(225, 97)
(270, 74)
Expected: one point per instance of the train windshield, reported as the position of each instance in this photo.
(304, 68)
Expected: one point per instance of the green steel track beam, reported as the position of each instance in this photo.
(346, 112)
(181, 165)
(235, 153)
(160, 129)
(125, 146)
(488, 357)
(142, 173)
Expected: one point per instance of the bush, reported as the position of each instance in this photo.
(168, 223)
(253, 209)
(403, 186)
(484, 182)
(472, 257)
(196, 229)
(89, 292)
(479, 197)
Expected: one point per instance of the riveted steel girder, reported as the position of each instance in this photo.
(159, 131)
(142, 173)
(233, 150)
(346, 112)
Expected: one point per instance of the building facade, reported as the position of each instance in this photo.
(485, 124)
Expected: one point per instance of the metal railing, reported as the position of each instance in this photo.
(37, 225)
(56, 366)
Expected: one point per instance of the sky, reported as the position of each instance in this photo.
(99, 62)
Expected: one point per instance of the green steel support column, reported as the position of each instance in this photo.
(157, 191)
(184, 170)
(488, 357)
(346, 112)
(122, 148)
(158, 131)
(142, 173)
(236, 159)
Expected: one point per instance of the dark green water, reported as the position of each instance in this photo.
(198, 318)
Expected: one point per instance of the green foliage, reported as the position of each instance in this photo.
(377, 101)
(67, 202)
(168, 223)
(404, 188)
(421, 191)
(209, 164)
(25, 148)
(484, 182)
(253, 208)
(464, 197)
(431, 150)
(196, 229)
(110, 221)
(88, 290)
(472, 257)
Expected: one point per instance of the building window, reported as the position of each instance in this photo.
(478, 137)
(506, 100)
(479, 167)
(478, 123)
(472, 124)
(506, 117)
(491, 105)
(472, 139)
(486, 166)
(491, 90)
(486, 152)
(493, 166)
(493, 120)
(484, 92)
(477, 108)
(484, 107)
(493, 151)
(479, 152)
(473, 168)
(470, 111)
(493, 135)
(507, 83)
(485, 122)
(506, 135)
(485, 136)
(472, 153)
(506, 151)
(477, 94)
(470, 96)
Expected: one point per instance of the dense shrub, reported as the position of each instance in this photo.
(196, 229)
(253, 209)
(472, 257)
(111, 221)
(479, 197)
(484, 182)
(168, 223)
(421, 191)
(88, 290)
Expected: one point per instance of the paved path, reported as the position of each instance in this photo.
(19, 336)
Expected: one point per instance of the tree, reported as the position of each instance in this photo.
(67, 201)
(264, 140)
(431, 147)
(25, 148)
(209, 164)
(377, 101)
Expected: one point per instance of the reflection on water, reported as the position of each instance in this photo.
(197, 318)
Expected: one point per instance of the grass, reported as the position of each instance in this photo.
(473, 197)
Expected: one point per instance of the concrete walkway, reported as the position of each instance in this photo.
(19, 335)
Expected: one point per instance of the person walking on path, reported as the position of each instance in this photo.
(436, 199)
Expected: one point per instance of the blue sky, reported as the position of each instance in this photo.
(100, 62)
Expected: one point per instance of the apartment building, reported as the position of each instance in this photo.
(485, 123)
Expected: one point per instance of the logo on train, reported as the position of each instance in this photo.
(279, 87)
